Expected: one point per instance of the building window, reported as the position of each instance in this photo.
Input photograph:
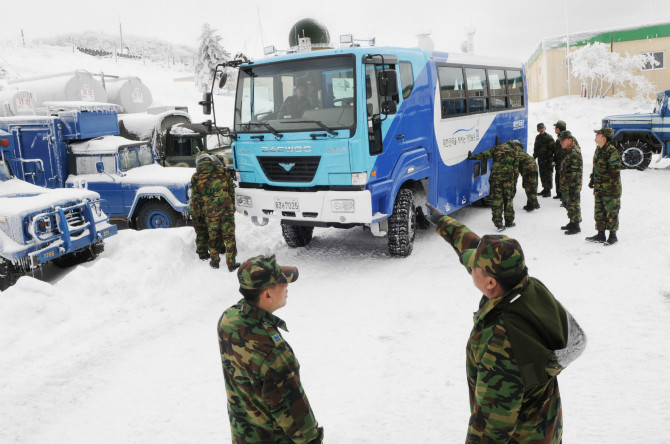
(659, 57)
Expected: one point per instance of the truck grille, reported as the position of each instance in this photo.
(290, 169)
(74, 217)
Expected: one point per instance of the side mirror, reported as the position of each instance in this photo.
(223, 79)
(99, 167)
(389, 107)
(206, 103)
(387, 82)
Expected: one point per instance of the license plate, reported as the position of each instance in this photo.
(286, 204)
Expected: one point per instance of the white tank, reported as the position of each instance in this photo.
(16, 103)
(129, 92)
(77, 85)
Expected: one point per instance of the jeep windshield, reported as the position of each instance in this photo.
(312, 94)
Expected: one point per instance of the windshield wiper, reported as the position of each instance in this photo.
(318, 122)
(267, 125)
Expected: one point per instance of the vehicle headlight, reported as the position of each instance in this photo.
(342, 205)
(243, 200)
(237, 176)
(359, 178)
(43, 224)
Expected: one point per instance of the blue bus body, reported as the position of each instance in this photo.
(343, 161)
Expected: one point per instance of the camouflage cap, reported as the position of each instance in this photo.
(204, 156)
(607, 132)
(262, 271)
(565, 135)
(561, 125)
(540, 125)
(498, 255)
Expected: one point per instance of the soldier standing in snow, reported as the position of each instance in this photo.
(559, 154)
(266, 401)
(606, 184)
(502, 182)
(212, 200)
(571, 181)
(543, 151)
(528, 171)
(521, 340)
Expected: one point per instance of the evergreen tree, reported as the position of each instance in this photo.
(210, 53)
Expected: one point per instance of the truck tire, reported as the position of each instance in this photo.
(79, 257)
(402, 224)
(9, 274)
(635, 154)
(157, 214)
(296, 236)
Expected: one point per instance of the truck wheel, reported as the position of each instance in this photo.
(296, 236)
(79, 257)
(157, 214)
(402, 224)
(635, 154)
(9, 274)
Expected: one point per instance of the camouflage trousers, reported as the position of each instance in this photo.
(529, 184)
(572, 203)
(201, 236)
(502, 197)
(546, 172)
(606, 212)
(221, 238)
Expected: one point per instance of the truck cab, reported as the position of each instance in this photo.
(40, 225)
(639, 136)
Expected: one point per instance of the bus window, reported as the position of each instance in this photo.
(515, 89)
(477, 90)
(452, 92)
(497, 88)
(406, 79)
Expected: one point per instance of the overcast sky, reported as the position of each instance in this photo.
(508, 29)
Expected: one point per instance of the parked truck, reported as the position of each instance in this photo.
(77, 145)
(639, 136)
(40, 225)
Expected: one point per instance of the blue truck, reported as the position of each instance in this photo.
(383, 130)
(639, 136)
(40, 225)
(77, 146)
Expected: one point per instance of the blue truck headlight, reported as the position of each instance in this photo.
(43, 224)
(243, 200)
(342, 205)
(359, 178)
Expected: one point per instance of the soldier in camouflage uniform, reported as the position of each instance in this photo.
(212, 201)
(571, 181)
(266, 401)
(521, 340)
(543, 151)
(606, 184)
(528, 171)
(502, 182)
(559, 154)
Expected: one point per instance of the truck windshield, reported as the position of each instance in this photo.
(135, 156)
(298, 95)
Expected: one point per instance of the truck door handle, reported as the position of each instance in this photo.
(400, 137)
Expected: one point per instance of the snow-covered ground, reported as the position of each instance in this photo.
(124, 349)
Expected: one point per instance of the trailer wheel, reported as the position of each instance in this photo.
(157, 214)
(296, 236)
(402, 224)
(79, 257)
(635, 154)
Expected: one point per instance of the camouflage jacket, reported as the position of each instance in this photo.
(606, 175)
(505, 164)
(518, 345)
(572, 170)
(212, 191)
(266, 401)
(544, 146)
(527, 165)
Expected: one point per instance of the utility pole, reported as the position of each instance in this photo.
(567, 44)
(23, 39)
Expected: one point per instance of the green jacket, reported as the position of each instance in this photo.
(505, 163)
(518, 345)
(212, 191)
(606, 175)
(572, 171)
(544, 146)
(266, 401)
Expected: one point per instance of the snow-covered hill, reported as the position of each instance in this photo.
(124, 349)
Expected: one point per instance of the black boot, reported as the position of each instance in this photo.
(234, 267)
(574, 229)
(500, 227)
(567, 227)
(546, 193)
(558, 196)
(600, 237)
(213, 264)
(510, 224)
(612, 239)
(539, 193)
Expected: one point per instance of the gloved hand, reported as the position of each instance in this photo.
(591, 183)
(469, 155)
(435, 215)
